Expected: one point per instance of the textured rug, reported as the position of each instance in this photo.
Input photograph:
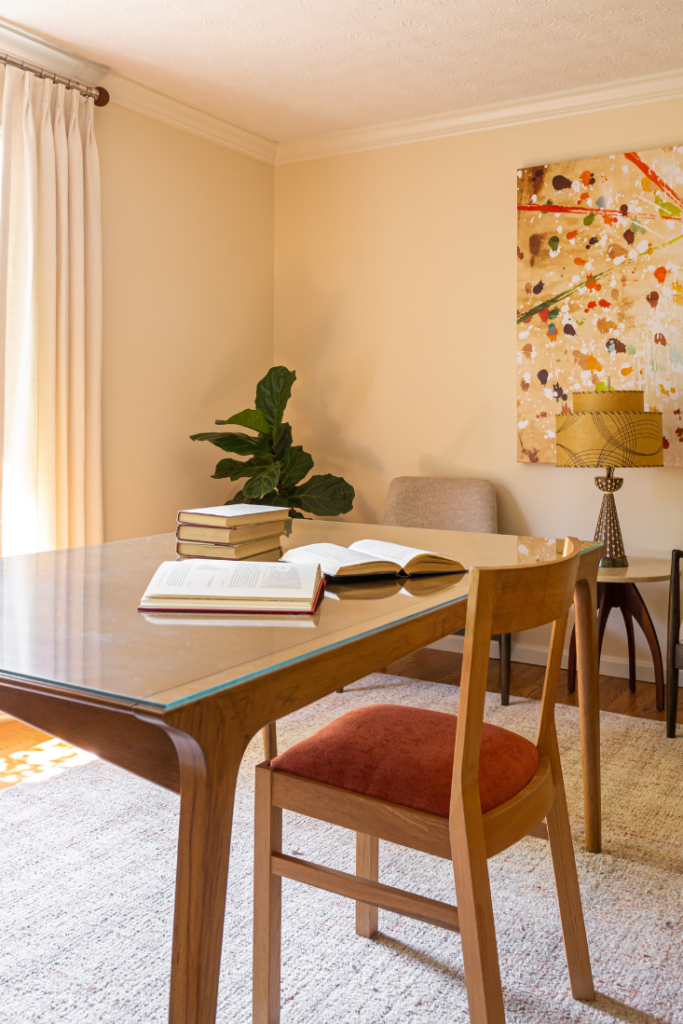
(86, 896)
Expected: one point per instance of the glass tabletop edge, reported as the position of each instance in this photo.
(305, 656)
(210, 691)
(36, 683)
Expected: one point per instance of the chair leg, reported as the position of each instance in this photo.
(505, 654)
(571, 663)
(477, 928)
(267, 903)
(367, 866)
(269, 737)
(568, 892)
(671, 700)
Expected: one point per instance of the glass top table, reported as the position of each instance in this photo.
(176, 698)
(70, 617)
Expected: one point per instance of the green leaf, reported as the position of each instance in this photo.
(324, 495)
(233, 469)
(283, 443)
(240, 444)
(263, 481)
(252, 418)
(230, 469)
(293, 514)
(273, 393)
(300, 463)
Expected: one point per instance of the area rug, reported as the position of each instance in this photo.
(86, 896)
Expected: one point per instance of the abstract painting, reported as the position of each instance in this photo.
(600, 290)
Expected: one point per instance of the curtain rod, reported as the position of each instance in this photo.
(100, 95)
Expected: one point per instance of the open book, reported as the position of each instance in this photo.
(370, 557)
(207, 585)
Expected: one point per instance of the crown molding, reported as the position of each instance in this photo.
(628, 93)
(134, 96)
(137, 97)
(146, 101)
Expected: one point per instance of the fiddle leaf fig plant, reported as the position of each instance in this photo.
(274, 467)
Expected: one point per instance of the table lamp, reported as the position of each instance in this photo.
(610, 429)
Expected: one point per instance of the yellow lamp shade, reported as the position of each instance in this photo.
(609, 429)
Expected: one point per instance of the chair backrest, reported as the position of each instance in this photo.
(503, 600)
(442, 503)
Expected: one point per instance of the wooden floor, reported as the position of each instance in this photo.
(26, 753)
(527, 681)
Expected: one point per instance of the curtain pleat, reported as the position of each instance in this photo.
(47, 314)
(61, 323)
(92, 241)
(50, 318)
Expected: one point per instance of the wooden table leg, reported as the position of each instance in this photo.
(589, 709)
(209, 752)
(627, 598)
(608, 598)
(631, 640)
(604, 605)
(633, 602)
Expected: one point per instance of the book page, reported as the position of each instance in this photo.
(220, 580)
(235, 510)
(330, 557)
(398, 553)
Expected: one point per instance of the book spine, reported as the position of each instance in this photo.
(225, 538)
(271, 555)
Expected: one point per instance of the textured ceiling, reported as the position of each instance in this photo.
(288, 69)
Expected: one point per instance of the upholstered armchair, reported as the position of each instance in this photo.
(449, 503)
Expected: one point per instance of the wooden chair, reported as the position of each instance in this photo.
(674, 644)
(407, 776)
(450, 503)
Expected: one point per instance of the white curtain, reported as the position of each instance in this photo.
(50, 318)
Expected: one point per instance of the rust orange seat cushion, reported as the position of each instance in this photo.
(405, 755)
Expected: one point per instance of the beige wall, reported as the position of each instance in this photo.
(188, 274)
(395, 302)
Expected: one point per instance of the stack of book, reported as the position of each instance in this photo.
(231, 531)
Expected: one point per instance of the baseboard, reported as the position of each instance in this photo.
(535, 654)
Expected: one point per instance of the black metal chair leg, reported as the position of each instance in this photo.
(672, 645)
(671, 700)
(504, 653)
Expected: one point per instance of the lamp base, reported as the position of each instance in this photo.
(608, 531)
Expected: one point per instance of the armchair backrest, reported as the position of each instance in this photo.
(442, 503)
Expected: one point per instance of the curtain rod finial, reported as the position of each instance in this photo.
(102, 97)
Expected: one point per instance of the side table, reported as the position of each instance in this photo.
(617, 589)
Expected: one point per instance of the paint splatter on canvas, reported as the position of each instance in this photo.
(600, 289)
